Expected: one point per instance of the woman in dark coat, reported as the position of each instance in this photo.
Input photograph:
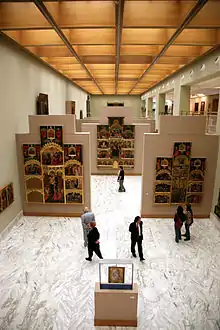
(93, 242)
(189, 221)
(179, 218)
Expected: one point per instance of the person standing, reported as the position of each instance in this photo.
(121, 176)
(179, 218)
(86, 218)
(136, 230)
(93, 242)
(189, 221)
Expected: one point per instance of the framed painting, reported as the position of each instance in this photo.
(42, 104)
(197, 169)
(6, 196)
(74, 183)
(74, 152)
(73, 168)
(162, 198)
(75, 197)
(202, 108)
(103, 144)
(52, 155)
(128, 131)
(50, 134)
(163, 163)
(194, 198)
(116, 275)
(115, 121)
(32, 167)
(162, 187)
(182, 148)
(53, 185)
(102, 131)
(31, 151)
(195, 187)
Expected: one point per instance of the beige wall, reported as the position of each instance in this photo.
(68, 123)
(100, 102)
(22, 78)
(177, 129)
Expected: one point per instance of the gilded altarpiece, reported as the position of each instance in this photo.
(179, 179)
(115, 144)
(53, 171)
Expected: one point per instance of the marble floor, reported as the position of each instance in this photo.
(46, 283)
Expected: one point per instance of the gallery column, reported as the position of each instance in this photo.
(181, 100)
(160, 108)
(149, 106)
(218, 117)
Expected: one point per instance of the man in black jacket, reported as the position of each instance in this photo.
(136, 229)
(121, 176)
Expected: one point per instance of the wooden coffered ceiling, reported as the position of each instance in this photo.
(114, 47)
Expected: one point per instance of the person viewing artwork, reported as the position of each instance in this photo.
(179, 218)
(136, 230)
(189, 221)
(86, 218)
(93, 241)
(121, 179)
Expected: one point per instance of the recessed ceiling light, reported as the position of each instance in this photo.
(200, 95)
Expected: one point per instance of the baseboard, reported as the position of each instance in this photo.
(11, 224)
(170, 216)
(119, 323)
(47, 214)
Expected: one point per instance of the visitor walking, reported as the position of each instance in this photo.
(86, 218)
(136, 230)
(179, 218)
(189, 221)
(121, 176)
(93, 241)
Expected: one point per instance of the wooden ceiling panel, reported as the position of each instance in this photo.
(95, 50)
(140, 50)
(61, 60)
(50, 51)
(92, 36)
(100, 66)
(145, 36)
(87, 13)
(209, 16)
(155, 13)
(133, 66)
(197, 37)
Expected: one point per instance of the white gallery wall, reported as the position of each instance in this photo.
(22, 78)
(99, 102)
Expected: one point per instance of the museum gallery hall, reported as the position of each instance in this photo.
(110, 165)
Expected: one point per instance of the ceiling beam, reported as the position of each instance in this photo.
(39, 4)
(119, 13)
(195, 10)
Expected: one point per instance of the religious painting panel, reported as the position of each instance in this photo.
(74, 152)
(162, 187)
(73, 168)
(6, 197)
(32, 167)
(75, 197)
(103, 144)
(51, 134)
(195, 187)
(127, 153)
(104, 153)
(53, 179)
(115, 120)
(102, 131)
(52, 155)
(116, 274)
(182, 148)
(194, 198)
(116, 129)
(31, 152)
(128, 131)
(197, 169)
(161, 198)
(74, 183)
(105, 162)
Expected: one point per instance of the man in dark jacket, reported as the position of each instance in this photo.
(136, 229)
(121, 176)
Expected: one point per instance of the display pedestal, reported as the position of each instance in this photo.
(116, 307)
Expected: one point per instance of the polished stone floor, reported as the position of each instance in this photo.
(45, 282)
